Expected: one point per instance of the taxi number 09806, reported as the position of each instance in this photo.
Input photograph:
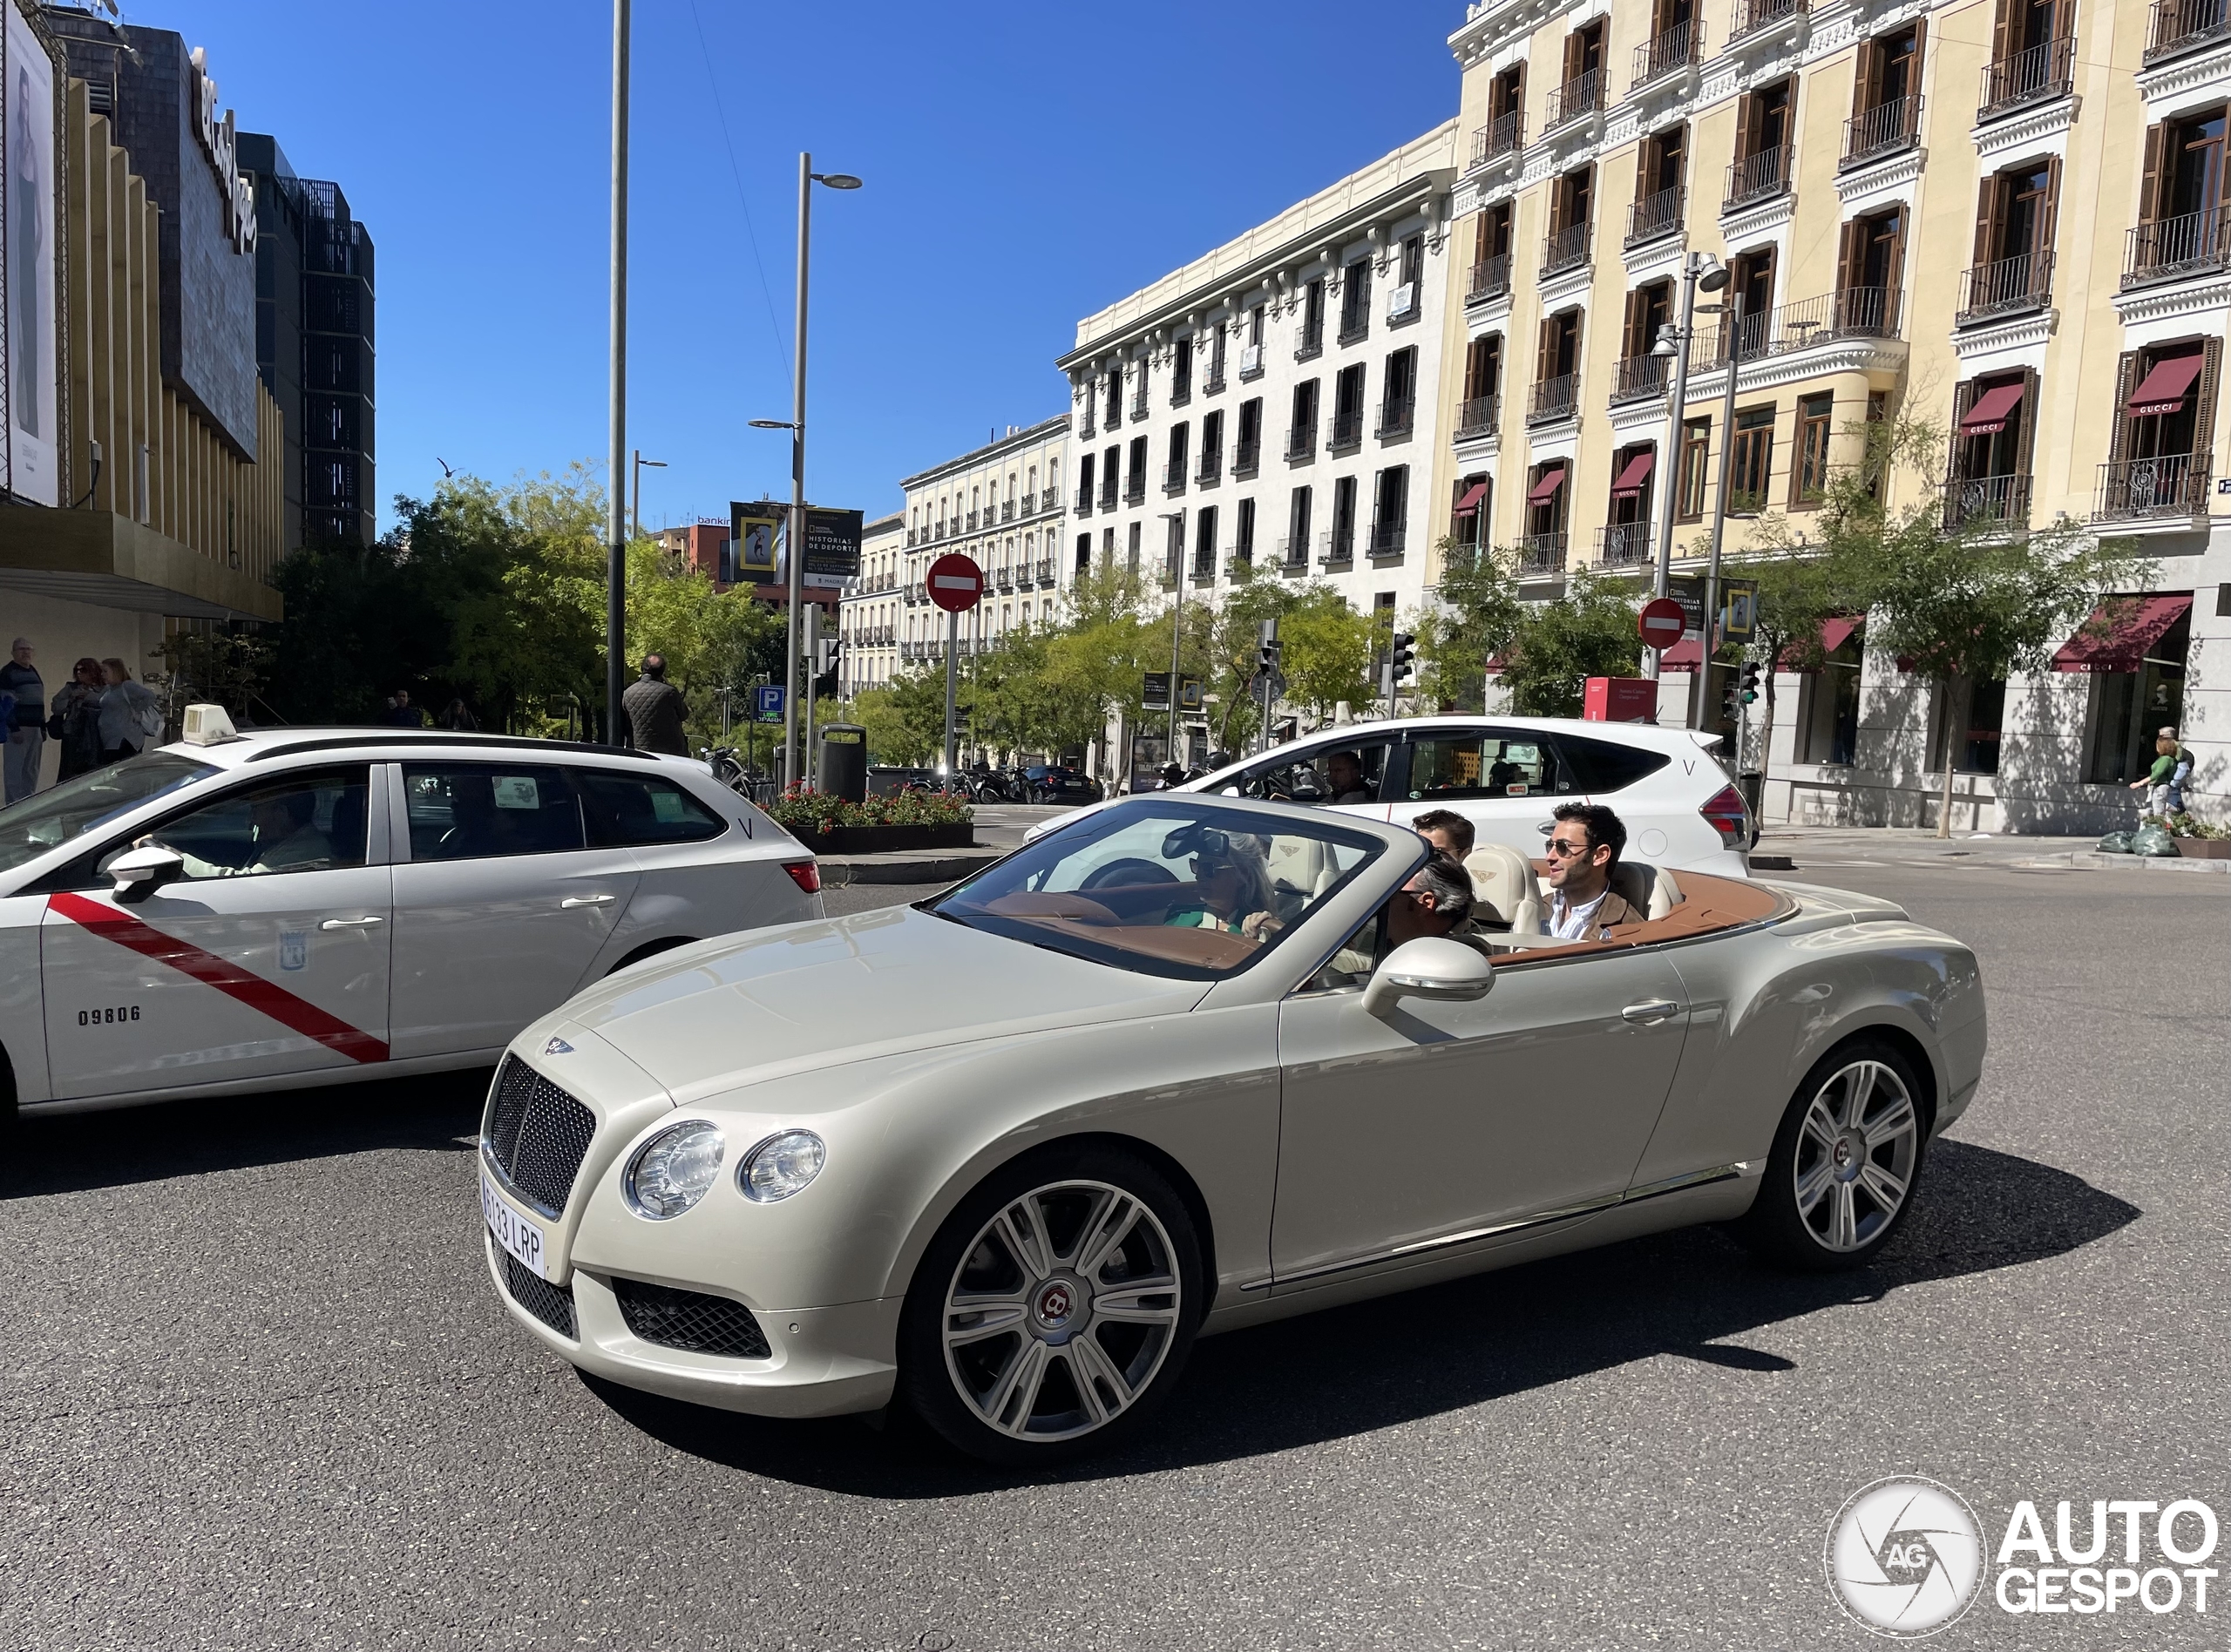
(108, 1015)
(512, 1230)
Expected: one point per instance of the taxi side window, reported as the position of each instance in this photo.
(1485, 765)
(473, 811)
(1316, 776)
(642, 809)
(296, 822)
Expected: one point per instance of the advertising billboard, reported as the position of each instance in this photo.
(833, 545)
(755, 532)
(27, 236)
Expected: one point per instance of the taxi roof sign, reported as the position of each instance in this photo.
(208, 726)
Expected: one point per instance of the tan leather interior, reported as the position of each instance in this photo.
(1502, 878)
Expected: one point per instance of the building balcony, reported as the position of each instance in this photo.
(1003, 578)
(1180, 395)
(1656, 216)
(1312, 345)
(2039, 75)
(1982, 501)
(1347, 431)
(1108, 495)
(1387, 540)
(1050, 498)
(1757, 178)
(1490, 280)
(1204, 566)
(1211, 471)
(2010, 286)
(1293, 554)
(1213, 383)
(1336, 547)
(1755, 16)
(1505, 136)
(1623, 545)
(913, 536)
(1137, 493)
(1246, 459)
(1397, 417)
(1114, 416)
(971, 522)
(1679, 47)
(1085, 432)
(1857, 312)
(1084, 502)
(1554, 398)
(1541, 554)
(2178, 26)
(1173, 476)
(2168, 485)
(1564, 249)
(1640, 378)
(1478, 416)
(2171, 249)
(1045, 570)
(1251, 364)
(1355, 329)
(1887, 129)
(1301, 443)
(1138, 410)
(1007, 509)
(1576, 99)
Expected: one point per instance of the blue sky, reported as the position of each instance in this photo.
(1025, 166)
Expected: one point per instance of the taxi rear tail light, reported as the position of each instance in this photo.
(1729, 817)
(805, 874)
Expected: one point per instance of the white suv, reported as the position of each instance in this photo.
(1507, 775)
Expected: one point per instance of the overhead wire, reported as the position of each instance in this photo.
(781, 347)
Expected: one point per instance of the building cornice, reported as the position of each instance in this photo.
(2023, 128)
(2021, 333)
(1028, 437)
(1864, 185)
(1790, 367)
(1749, 221)
(2173, 299)
(2199, 74)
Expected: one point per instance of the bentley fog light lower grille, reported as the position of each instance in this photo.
(689, 1320)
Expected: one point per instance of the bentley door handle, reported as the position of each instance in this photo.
(583, 900)
(348, 923)
(1650, 1009)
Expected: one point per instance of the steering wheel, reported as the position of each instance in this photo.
(1127, 871)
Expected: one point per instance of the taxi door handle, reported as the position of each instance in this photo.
(1651, 1010)
(583, 900)
(348, 923)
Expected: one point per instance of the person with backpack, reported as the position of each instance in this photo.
(131, 715)
(76, 723)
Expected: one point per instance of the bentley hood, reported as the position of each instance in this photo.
(746, 1008)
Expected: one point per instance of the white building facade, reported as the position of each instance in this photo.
(1271, 408)
(868, 617)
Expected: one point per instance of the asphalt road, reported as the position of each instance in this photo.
(255, 1392)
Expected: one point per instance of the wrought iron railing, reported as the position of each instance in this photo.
(1084, 500)
(1541, 553)
(1887, 129)
(1294, 552)
(1386, 540)
(1048, 499)
(2170, 248)
(1678, 47)
(1640, 378)
(1136, 491)
(1301, 441)
(2173, 484)
(1656, 215)
(1336, 545)
(1247, 457)
(2045, 71)
(1554, 398)
(2179, 26)
(1173, 475)
(1503, 136)
(1623, 545)
(1564, 249)
(1491, 279)
(1397, 414)
(1759, 177)
(1580, 96)
(1856, 312)
(1211, 469)
(1975, 500)
(1751, 17)
(1108, 491)
(1347, 430)
(1478, 416)
(2009, 287)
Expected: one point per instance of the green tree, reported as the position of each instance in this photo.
(1477, 621)
(1587, 632)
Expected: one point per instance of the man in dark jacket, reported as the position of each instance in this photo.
(1582, 849)
(656, 711)
(25, 696)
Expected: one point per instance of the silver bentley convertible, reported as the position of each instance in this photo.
(1189, 1065)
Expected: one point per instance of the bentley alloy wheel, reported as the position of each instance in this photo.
(1840, 1177)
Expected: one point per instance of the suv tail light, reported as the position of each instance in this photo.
(1729, 817)
(805, 874)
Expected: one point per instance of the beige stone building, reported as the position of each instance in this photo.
(2010, 219)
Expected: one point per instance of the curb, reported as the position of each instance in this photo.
(840, 871)
(2091, 860)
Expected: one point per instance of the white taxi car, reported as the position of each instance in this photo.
(308, 906)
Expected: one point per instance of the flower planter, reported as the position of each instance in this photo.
(884, 840)
(2204, 847)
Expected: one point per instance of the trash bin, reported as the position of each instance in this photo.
(844, 762)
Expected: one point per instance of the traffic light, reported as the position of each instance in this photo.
(1267, 655)
(1402, 657)
(1730, 700)
(827, 652)
(1749, 693)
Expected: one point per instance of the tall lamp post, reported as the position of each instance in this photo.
(795, 585)
(1177, 554)
(1730, 329)
(641, 461)
(616, 573)
(1701, 272)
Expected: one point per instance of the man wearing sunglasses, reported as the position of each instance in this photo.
(1581, 851)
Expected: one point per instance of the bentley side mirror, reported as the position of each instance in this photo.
(1430, 967)
(139, 872)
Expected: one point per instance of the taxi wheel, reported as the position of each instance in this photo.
(1051, 1314)
(1840, 1177)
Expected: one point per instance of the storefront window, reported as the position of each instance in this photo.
(2128, 706)
(1828, 715)
(1978, 747)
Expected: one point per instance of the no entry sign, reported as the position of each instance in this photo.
(956, 583)
(1660, 623)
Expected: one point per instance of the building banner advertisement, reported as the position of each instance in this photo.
(28, 228)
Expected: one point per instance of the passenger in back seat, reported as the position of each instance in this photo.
(1583, 847)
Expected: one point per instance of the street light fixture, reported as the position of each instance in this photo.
(795, 585)
(1700, 272)
(1176, 615)
(655, 465)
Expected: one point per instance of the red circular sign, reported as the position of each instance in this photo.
(1661, 622)
(956, 583)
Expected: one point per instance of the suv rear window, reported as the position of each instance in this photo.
(1605, 765)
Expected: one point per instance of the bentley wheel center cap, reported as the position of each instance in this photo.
(1847, 1157)
(1059, 1304)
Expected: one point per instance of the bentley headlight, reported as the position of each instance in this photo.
(672, 1171)
(781, 1165)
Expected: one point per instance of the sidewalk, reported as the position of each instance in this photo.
(1784, 848)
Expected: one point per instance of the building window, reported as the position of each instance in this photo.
(1886, 101)
(1870, 271)
(1137, 528)
(1084, 484)
(1312, 320)
(1297, 546)
(1247, 447)
(1137, 491)
(1173, 472)
(2161, 456)
(1399, 398)
(1347, 408)
(2128, 707)
(1809, 480)
(1978, 747)
(1390, 511)
(1107, 548)
(1084, 553)
(1762, 152)
(1752, 461)
(1204, 543)
(1111, 465)
(1243, 542)
(1341, 545)
(1181, 372)
(1301, 434)
(1827, 710)
(1468, 524)
(1696, 467)
(1211, 446)
(1355, 301)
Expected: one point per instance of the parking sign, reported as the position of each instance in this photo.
(767, 702)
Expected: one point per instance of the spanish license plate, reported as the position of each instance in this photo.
(522, 1238)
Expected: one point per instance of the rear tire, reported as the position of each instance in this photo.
(1051, 1316)
(1844, 1162)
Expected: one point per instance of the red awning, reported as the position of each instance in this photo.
(2121, 645)
(1629, 486)
(1546, 488)
(1834, 635)
(2164, 387)
(1685, 655)
(1470, 502)
(1988, 415)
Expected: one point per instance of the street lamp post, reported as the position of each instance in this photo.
(794, 587)
(1730, 326)
(655, 465)
(1700, 271)
(616, 573)
(1176, 615)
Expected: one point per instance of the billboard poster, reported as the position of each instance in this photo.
(833, 545)
(754, 532)
(27, 228)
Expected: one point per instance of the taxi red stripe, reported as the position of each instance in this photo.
(298, 1014)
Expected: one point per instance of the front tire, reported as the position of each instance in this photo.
(1844, 1162)
(1053, 1313)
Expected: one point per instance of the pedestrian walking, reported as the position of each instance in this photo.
(458, 717)
(403, 714)
(131, 715)
(2162, 783)
(75, 724)
(26, 724)
(656, 711)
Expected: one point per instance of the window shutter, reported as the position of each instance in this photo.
(1850, 255)
(2003, 27)
(1574, 49)
(1867, 76)
(2211, 361)
(1746, 125)
(2049, 209)
(2149, 185)
(2125, 381)
(1546, 351)
(2030, 408)
(1643, 189)
(1627, 350)
(1913, 71)
(1963, 398)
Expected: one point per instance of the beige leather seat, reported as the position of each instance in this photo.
(1650, 889)
(1502, 878)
